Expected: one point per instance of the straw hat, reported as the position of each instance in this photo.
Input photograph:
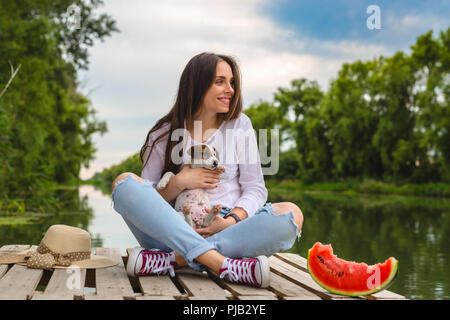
(62, 247)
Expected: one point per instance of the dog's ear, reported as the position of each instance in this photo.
(215, 152)
(196, 151)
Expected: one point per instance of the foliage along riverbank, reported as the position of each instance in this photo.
(365, 187)
(350, 187)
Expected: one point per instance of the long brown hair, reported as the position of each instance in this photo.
(197, 77)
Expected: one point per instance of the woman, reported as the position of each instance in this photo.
(209, 92)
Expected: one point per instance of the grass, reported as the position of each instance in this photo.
(366, 187)
(15, 220)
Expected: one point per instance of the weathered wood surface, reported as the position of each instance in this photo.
(112, 281)
(290, 280)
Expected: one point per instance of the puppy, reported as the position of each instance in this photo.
(193, 205)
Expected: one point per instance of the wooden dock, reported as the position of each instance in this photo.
(290, 280)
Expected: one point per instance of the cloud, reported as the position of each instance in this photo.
(414, 23)
(401, 31)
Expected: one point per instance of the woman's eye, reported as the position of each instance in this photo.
(221, 81)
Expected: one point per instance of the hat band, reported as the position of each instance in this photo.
(44, 258)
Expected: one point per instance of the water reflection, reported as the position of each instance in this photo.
(369, 228)
(86, 208)
(29, 228)
(107, 224)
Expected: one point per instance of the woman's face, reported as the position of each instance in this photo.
(218, 97)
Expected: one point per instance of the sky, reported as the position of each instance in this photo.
(133, 75)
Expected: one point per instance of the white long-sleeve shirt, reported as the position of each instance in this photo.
(242, 184)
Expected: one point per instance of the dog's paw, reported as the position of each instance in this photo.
(186, 209)
(189, 220)
(164, 180)
(217, 208)
(220, 168)
(209, 217)
(162, 183)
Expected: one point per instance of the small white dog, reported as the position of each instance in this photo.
(193, 205)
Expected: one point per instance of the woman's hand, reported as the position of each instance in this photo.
(198, 178)
(216, 225)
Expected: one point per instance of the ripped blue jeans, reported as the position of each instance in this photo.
(156, 224)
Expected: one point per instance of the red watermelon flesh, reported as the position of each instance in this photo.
(347, 277)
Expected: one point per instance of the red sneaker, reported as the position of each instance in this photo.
(143, 262)
(251, 271)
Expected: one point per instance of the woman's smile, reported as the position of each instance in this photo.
(225, 100)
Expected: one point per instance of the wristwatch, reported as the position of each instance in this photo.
(235, 216)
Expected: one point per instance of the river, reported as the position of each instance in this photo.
(367, 228)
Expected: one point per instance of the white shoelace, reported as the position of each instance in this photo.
(239, 270)
(158, 263)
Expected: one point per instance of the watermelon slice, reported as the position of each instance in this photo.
(347, 277)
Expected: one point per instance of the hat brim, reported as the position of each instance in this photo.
(95, 262)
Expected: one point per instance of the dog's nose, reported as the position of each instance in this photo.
(215, 163)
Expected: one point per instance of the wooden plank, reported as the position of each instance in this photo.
(240, 289)
(112, 281)
(257, 298)
(301, 263)
(10, 249)
(105, 297)
(301, 278)
(145, 297)
(285, 288)
(19, 283)
(65, 284)
(208, 298)
(155, 285)
(293, 259)
(297, 298)
(201, 286)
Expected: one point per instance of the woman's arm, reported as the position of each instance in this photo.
(189, 178)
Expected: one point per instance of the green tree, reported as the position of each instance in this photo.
(46, 123)
(431, 60)
(387, 118)
(266, 120)
(350, 118)
(302, 101)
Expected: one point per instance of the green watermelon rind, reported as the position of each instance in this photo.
(383, 286)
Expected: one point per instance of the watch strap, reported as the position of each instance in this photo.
(235, 216)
